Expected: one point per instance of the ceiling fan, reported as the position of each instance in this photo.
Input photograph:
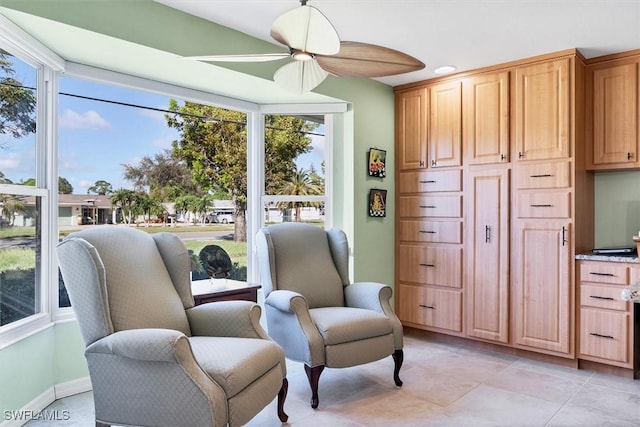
(316, 51)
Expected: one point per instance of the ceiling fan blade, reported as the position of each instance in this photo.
(306, 28)
(257, 57)
(300, 76)
(357, 59)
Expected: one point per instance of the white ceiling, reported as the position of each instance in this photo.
(468, 34)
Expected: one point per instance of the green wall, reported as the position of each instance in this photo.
(617, 213)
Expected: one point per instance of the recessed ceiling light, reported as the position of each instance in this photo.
(444, 69)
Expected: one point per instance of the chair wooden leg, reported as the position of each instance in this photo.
(313, 374)
(398, 358)
(282, 395)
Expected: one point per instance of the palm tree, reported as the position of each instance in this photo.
(126, 200)
(301, 184)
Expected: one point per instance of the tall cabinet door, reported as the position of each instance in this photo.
(487, 269)
(411, 129)
(485, 114)
(541, 286)
(542, 96)
(615, 115)
(445, 125)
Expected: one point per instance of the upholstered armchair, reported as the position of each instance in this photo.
(154, 358)
(312, 309)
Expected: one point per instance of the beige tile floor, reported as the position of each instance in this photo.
(444, 385)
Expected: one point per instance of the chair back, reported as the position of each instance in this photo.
(298, 257)
(117, 279)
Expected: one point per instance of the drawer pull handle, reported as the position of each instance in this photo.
(427, 207)
(600, 335)
(431, 307)
(602, 274)
(544, 175)
(599, 297)
(427, 232)
(430, 181)
(427, 265)
(541, 206)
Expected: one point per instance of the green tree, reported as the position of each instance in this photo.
(146, 206)
(64, 186)
(31, 182)
(165, 176)
(11, 206)
(126, 200)
(301, 184)
(213, 141)
(100, 187)
(17, 103)
(4, 179)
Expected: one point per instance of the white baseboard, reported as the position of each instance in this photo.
(20, 417)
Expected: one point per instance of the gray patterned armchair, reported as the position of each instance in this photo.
(312, 309)
(154, 358)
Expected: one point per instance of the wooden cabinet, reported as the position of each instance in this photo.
(487, 249)
(613, 94)
(493, 221)
(485, 115)
(429, 249)
(542, 286)
(605, 324)
(445, 124)
(411, 129)
(541, 110)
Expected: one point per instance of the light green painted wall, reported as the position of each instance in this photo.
(27, 369)
(68, 358)
(617, 213)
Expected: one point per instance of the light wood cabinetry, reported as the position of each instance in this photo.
(445, 125)
(541, 285)
(485, 115)
(521, 204)
(542, 99)
(429, 249)
(411, 129)
(613, 91)
(487, 249)
(606, 327)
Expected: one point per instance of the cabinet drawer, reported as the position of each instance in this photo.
(605, 334)
(437, 308)
(604, 272)
(420, 182)
(543, 175)
(599, 296)
(430, 206)
(544, 204)
(431, 231)
(430, 265)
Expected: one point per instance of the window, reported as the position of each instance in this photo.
(295, 169)
(20, 202)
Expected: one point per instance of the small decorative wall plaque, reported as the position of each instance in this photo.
(377, 203)
(377, 163)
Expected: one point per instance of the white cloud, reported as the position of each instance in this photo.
(153, 114)
(85, 183)
(9, 162)
(88, 120)
(164, 142)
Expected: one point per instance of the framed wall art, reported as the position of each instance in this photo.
(377, 162)
(377, 203)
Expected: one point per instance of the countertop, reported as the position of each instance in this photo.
(609, 258)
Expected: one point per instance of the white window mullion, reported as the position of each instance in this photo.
(255, 188)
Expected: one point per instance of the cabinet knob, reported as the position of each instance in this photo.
(502, 157)
(520, 155)
(421, 163)
(629, 156)
(433, 162)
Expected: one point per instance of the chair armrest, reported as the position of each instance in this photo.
(151, 345)
(227, 319)
(368, 295)
(375, 296)
(287, 301)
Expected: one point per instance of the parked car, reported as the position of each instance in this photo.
(222, 217)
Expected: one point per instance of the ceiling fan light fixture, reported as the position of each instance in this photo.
(302, 56)
(445, 69)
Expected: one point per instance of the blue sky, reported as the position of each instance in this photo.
(96, 138)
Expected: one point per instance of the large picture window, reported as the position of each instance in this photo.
(20, 201)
